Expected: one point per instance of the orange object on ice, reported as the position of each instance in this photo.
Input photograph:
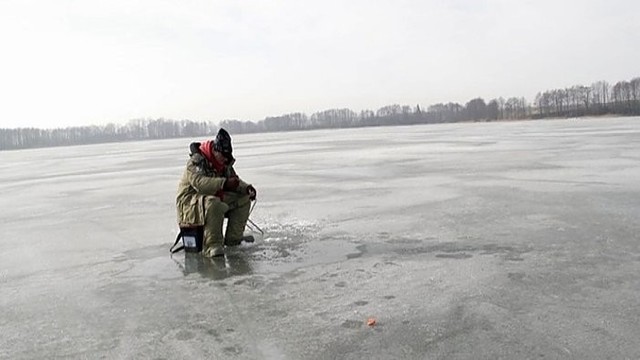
(371, 321)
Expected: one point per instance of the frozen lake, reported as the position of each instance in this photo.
(463, 241)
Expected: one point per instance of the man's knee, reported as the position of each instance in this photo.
(215, 208)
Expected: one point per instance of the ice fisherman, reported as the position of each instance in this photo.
(210, 190)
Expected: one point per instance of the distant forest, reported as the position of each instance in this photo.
(600, 98)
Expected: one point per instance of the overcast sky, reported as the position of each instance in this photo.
(66, 63)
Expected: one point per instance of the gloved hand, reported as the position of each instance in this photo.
(251, 191)
(231, 184)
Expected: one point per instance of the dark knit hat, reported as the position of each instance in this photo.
(222, 144)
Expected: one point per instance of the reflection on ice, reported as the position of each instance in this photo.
(235, 264)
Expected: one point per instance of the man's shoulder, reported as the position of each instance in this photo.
(196, 160)
(199, 165)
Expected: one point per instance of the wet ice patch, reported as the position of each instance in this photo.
(293, 243)
(292, 230)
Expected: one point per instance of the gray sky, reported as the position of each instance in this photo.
(66, 62)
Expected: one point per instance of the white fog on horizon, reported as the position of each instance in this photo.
(73, 63)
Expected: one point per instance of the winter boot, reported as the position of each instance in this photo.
(213, 251)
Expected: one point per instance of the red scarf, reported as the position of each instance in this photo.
(206, 149)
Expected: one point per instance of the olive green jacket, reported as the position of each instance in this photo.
(200, 180)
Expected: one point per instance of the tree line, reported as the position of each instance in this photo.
(600, 98)
(140, 129)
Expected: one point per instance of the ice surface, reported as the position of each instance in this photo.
(483, 240)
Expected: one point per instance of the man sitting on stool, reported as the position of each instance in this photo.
(209, 190)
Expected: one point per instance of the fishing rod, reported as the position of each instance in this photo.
(253, 226)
